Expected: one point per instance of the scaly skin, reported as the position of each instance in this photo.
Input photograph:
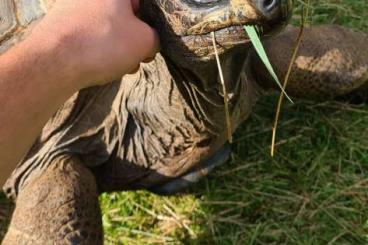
(60, 206)
(168, 118)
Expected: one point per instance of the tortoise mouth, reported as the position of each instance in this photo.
(225, 37)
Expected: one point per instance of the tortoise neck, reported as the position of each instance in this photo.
(202, 88)
(205, 74)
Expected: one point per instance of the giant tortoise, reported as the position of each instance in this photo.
(164, 127)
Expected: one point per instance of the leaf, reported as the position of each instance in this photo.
(253, 36)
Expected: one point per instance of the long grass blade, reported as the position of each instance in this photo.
(224, 91)
(287, 77)
(253, 36)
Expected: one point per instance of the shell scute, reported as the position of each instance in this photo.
(29, 11)
(8, 19)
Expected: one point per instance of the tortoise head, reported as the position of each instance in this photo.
(185, 26)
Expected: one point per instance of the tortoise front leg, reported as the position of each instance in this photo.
(58, 207)
(332, 61)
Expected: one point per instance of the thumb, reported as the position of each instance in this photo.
(148, 42)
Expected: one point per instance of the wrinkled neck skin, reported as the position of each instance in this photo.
(191, 59)
(200, 84)
(175, 118)
(205, 74)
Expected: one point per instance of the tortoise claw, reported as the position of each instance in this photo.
(183, 182)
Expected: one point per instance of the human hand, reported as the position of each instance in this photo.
(99, 40)
(79, 43)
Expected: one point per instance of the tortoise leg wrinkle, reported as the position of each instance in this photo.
(59, 207)
(182, 183)
(332, 61)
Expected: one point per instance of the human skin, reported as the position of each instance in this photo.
(94, 43)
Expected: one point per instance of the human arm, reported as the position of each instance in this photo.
(78, 44)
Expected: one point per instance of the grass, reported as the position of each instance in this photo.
(314, 191)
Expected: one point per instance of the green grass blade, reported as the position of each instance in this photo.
(253, 36)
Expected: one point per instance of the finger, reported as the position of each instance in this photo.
(150, 43)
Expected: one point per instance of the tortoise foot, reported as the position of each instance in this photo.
(190, 178)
